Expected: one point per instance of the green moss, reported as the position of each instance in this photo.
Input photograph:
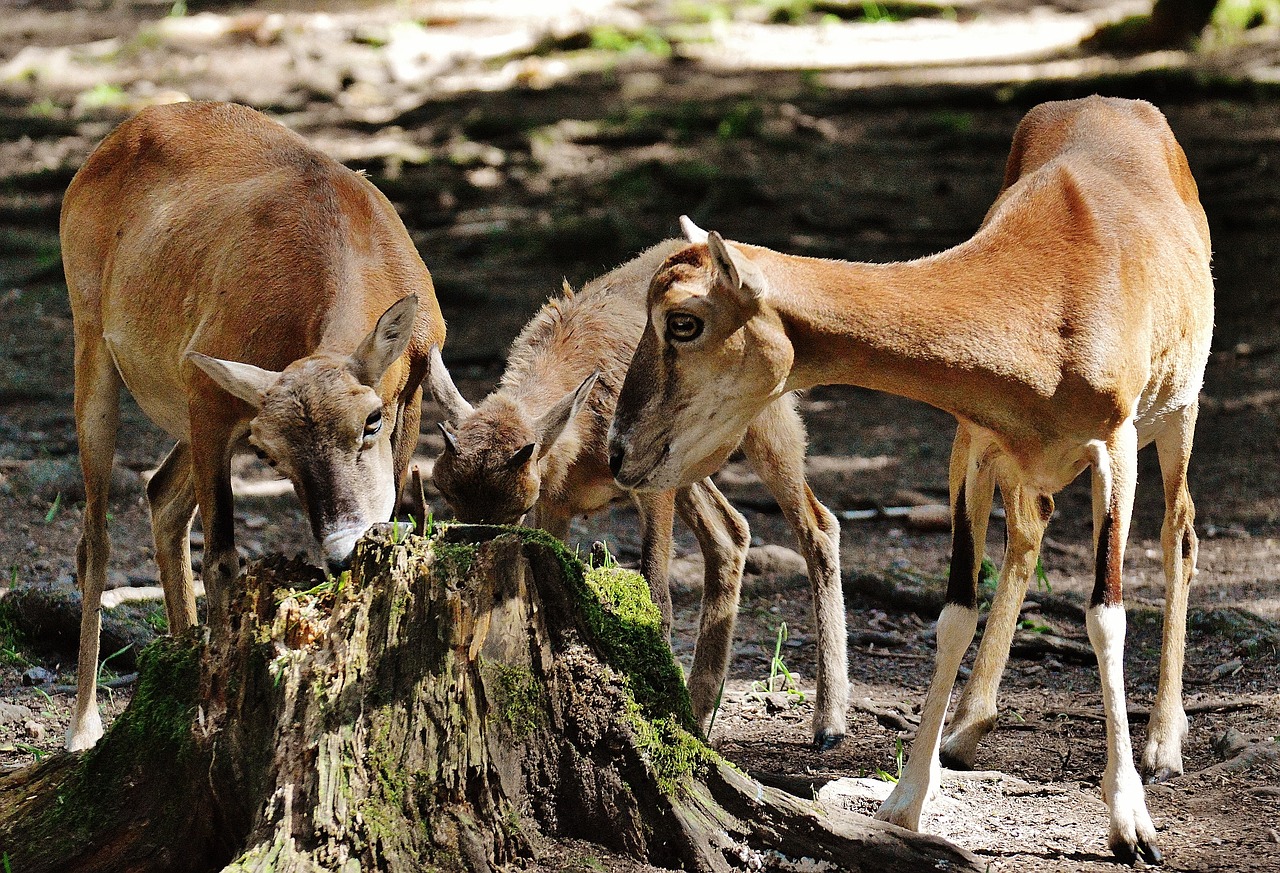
(676, 756)
(456, 558)
(519, 699)
(154, 734)
(627, 630)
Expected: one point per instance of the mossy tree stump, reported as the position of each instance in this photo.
(438, 709)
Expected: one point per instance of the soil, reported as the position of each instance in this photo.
(524, 147)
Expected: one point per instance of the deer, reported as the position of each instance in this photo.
(249, 292)
(538, 444)
(1069, 331)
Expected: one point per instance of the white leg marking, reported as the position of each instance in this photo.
(922, 775)
(1131, 829)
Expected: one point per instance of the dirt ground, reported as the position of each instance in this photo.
(524, 147)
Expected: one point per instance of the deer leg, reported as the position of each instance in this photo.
(212, 436)
(724, 538)
(1114, 478)
(976, 711)
(657, 515)
(956, 626)
(172, 496)
(1162, 757)
(775, 446)
(552, 521)
(405, 439)
(97, 409)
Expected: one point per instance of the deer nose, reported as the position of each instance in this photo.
(616, 454)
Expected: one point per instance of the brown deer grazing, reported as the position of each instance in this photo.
(1072, 329)
(241, 285)
(526, 447)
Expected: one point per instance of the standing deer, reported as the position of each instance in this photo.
(241, 285)
(539, 442)
(1070, 330)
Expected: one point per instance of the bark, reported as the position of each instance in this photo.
(450, 705)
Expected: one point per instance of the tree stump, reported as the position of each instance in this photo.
(440, 706)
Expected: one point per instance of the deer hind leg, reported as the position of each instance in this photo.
(956, 626)
(1027, 513)
(775, 446)
(172, 496)
(1162, 757)
(657, 515)
(1114, 478)
(723, 537)
(97, 408)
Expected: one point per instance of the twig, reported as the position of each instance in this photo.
(885, 653)
(118, 682)
(1137, 714)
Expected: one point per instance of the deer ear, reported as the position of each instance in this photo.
(450, 438)
(553, 422)
(443, 389)
(691, 231)
(735, 270)
(386, 342)
(245, 381)
(520, 458)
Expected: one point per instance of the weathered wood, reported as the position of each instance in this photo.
(432, 710)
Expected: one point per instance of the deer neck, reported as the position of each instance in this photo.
(937, 330)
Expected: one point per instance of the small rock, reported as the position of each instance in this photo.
(13, 712)
(1273, 835)
(1053, 664)
(1230, 744)
(34, 729)
(779, 701)
(774, 560)
(37, 676)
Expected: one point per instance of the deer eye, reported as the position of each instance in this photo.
(683, 327)
(373, 423)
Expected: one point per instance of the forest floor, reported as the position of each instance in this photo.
(521, 147)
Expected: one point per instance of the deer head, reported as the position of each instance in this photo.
(490, 469)
(323, 423)
(713, 354)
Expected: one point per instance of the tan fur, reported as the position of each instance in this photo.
(1071, 329)
(487, 479)
(207, 250)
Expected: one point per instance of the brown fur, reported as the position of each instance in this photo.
(1070, 329)
(201, 237)
(595, 330)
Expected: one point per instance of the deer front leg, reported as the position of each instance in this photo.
(1027, 513)
(1114, 477)
(97, 408)
(172, 496)
(724, 538)
(956, 626)
(213, 428)
(657, 515)
(775, 446)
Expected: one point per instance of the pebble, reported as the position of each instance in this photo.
(34, 729)
(1273, 835)
(37, 676)
(1230, 744)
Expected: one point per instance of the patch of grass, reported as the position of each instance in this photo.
(778, 669)
(647, 39)
(1042, 578)
(742, 121)
(1236, 16)
(11, 636)
(101, 96)
(53, 509)
(898, 756)
(950, 121)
